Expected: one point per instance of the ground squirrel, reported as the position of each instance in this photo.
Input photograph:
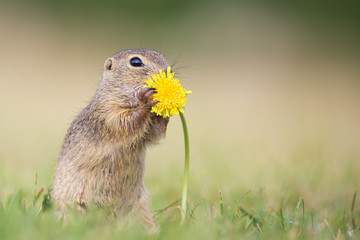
(102, 157)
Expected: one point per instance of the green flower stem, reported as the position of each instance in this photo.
(186, 169)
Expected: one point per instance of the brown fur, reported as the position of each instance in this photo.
(102, 158)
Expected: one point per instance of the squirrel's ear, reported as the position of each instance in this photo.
(108, 64)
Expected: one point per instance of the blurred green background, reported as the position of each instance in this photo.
(275, 103)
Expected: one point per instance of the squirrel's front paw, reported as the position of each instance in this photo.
(145, 96)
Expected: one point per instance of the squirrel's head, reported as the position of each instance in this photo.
(125, 72)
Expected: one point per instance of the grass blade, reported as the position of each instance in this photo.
(301, 225)
(255, 220)
(2, 210)
(192, 211)
(296, 210)
(221, 204)
(46, 203)
(158, 212)
(38, 194)
(352, 211)
(282, 219)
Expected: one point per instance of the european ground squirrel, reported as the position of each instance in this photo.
(102, 159)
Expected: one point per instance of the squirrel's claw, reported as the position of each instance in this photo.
(145, 96)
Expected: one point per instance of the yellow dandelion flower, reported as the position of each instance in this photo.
(170, 94)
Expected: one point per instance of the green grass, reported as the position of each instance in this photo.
(23, 217)
(302, 189)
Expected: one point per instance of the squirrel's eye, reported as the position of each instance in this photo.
(136, 62)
